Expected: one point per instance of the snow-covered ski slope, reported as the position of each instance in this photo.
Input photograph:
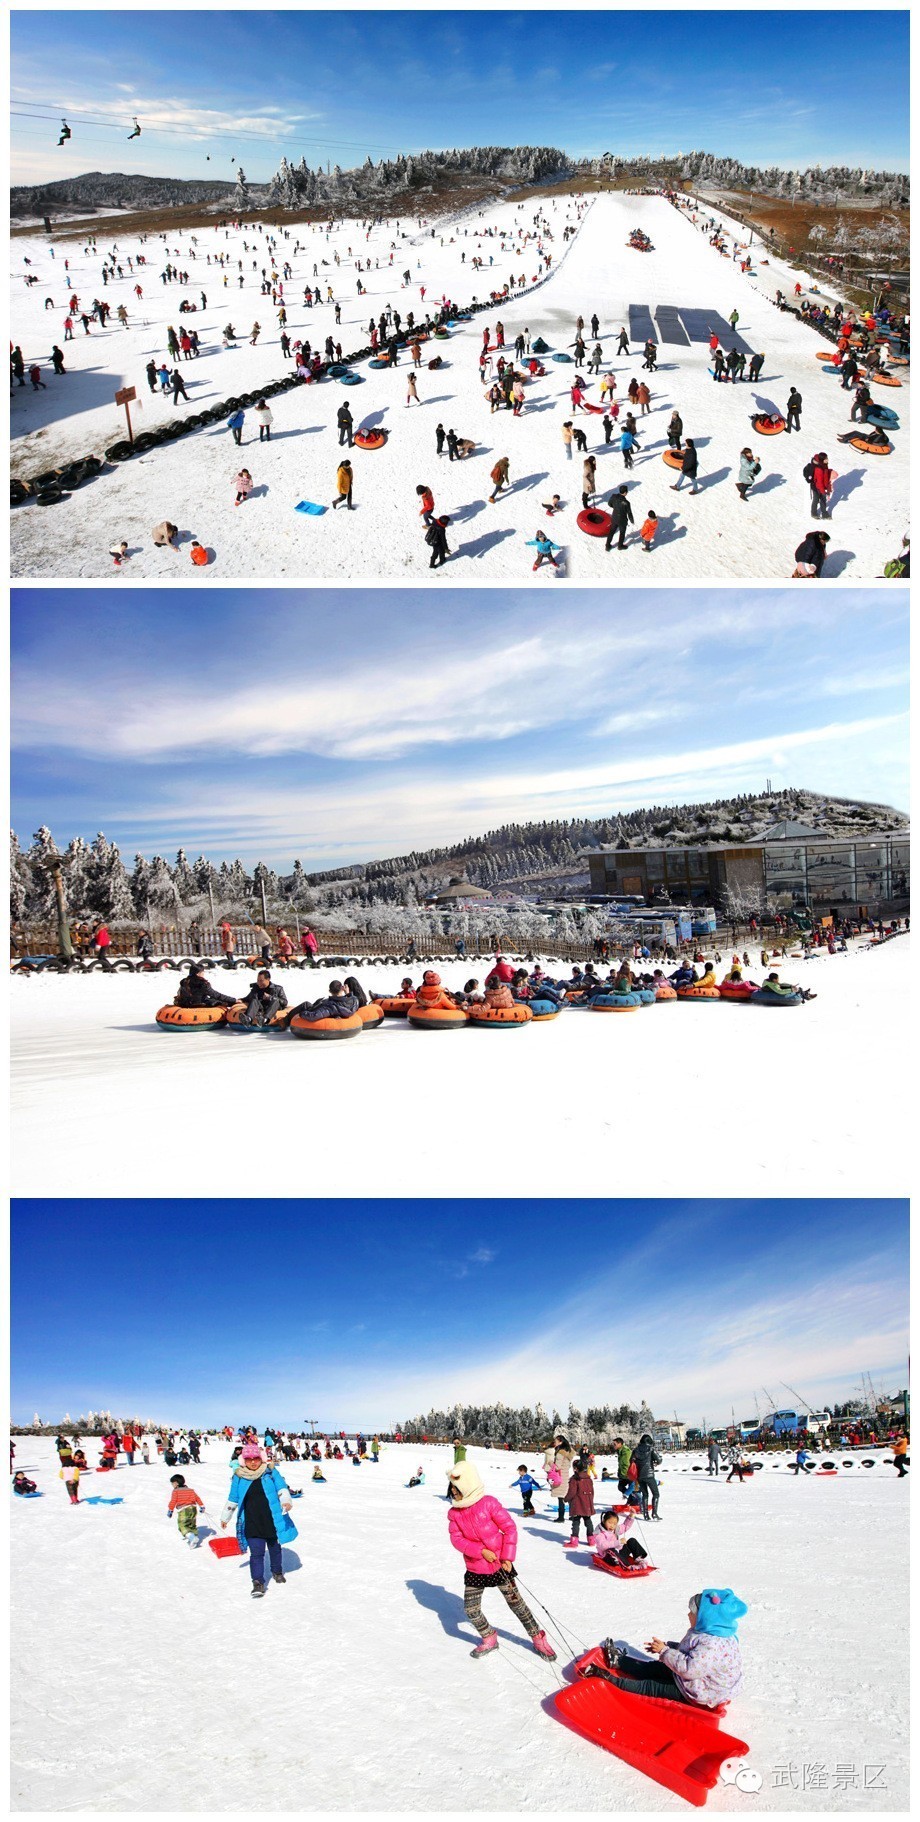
(672, 1100)
(145, 1678)
(712, 535)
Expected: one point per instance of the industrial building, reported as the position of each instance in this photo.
(788, 866)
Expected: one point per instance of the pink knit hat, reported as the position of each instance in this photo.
(251, 1452)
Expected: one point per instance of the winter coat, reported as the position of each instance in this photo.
(340, 1008)
(706, 1668)
(624, 1457)
(237, 420)
(262, 1006)
(263, 415)
(275, 1488)
(562, 1460)
(484, 1524)
(581, 1496)
(344, 480)
(196, 991)
(811, 550)
(606, 1541)
(499, 996)
(748, 470)
(689, 464)
(243, 483)
(646, 1459)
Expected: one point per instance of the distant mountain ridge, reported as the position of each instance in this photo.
(114, 190)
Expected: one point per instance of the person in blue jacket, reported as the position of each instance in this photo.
(260, 1503)
(545, 549)
(627, 445)
(235, 423)
(529, 1486)
(801, 1457)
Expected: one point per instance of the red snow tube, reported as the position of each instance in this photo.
(370, 439)
(737, 990)
(769, 427)
(436, 1018)
(626, 1575)
(698, 993)
(596, 524)
(326, 1028)
(673, 457)
(871, 448)
(394, 1007)
(498, 1018)
(190, 1018)
(671, 1742)
(371, 1015)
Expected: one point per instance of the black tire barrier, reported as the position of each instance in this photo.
(92, 464)
(123, 965)
(51, 496)
(50, 477)
(173, 432)
(73, 478)
(869, 1463)
(19, 491)
(120, 452)
(232, 405)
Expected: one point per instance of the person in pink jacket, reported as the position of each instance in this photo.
(486, 1535)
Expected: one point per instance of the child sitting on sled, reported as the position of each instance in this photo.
(613, 1543)
(417, 1479)
(703, 1669)
(22, 1485)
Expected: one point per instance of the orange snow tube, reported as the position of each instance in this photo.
(665, 992)
(190, 1018)
(740, 991)
(769, 427)
(370, 439)
(698, 993)
(871, 448)
(371, 1015)
(673, 457)
(884, 379)
(500, 1016)
(395, 1007)
(437, 1018)
(326, 1028)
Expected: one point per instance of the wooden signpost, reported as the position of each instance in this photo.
(126, 397)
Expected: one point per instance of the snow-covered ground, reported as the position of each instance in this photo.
(190, 481)
(145, 1678)
(693, 1100)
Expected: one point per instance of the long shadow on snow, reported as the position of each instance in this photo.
(712, 480)
(848, 484)
(487, 542)
(770, 483)
(449, 1609)
(836, 561)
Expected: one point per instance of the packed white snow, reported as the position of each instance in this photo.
(146, 1678)
(676, 1099)
(191, 482)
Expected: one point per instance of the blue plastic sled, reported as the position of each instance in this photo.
(97, 1500)
(35, 1495)
(310, 506)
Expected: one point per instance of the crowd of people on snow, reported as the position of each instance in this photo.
(392, 333)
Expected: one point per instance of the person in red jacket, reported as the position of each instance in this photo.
(426, 503)
(580, 1502)
(502, 971)
(186, 1504)
(129, 1444)
(102, 942)
(309, 944)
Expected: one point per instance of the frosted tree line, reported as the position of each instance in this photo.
(534, 1426)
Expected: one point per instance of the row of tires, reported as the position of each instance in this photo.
(123, 964)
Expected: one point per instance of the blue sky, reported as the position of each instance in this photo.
(378, 1310)
(334, 726)
(790, 88)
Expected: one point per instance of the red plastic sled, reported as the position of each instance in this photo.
(667, 1741)
(225, 1546)
(595, 1659)
(626, 1575)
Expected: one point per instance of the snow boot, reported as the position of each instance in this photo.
(487, 1644)
(257, 1590)
(571, 1543)
(279, 1578)
(542, 1646)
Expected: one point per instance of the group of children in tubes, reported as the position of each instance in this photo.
(702, 1669)
(506, 986)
